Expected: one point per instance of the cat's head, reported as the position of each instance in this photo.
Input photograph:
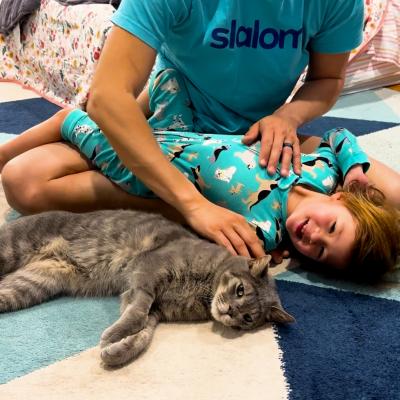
(246, 296)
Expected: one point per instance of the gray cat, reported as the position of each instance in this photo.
(162, 271)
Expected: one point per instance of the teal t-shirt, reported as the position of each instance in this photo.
(240, 59)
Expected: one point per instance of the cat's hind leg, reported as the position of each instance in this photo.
(130, 347)
(32, 284)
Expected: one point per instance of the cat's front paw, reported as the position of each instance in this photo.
(120, 330)
(117, 353)
(110, 336)
(113, 334)
(127, 349)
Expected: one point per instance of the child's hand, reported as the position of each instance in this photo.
(357, 174)
(279, 254)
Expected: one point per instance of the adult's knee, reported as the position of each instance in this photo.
(22, 192)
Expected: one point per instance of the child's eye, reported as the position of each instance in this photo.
(321, 252)
(332, 228)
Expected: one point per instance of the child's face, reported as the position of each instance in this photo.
(323, 229)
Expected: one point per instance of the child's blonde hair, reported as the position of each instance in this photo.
(377, 241)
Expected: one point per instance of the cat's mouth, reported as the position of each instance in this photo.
(219, 314)
(226, 320)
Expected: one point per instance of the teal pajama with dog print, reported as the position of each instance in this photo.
(223, 169)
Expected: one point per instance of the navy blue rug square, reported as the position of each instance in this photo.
(358, 127)
(343, 345)
(17, 116)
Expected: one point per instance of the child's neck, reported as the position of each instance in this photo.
(297, 194)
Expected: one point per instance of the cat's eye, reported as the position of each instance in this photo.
(240, 290)
(332, 228)
(247, 318)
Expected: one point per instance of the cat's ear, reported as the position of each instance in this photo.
(279, 315)
(259, 266)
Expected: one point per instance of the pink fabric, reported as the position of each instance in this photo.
(376, 62)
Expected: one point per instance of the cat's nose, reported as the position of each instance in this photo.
(230, 311)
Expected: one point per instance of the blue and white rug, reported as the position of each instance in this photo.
(345, 343)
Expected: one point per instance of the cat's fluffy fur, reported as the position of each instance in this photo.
(162, 271)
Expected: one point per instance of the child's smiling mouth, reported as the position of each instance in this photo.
(300, 229)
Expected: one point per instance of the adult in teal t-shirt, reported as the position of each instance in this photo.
(240, 61)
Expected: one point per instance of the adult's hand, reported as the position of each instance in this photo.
(279, 141)
(224, 227)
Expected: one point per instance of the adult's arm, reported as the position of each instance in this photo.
(323, 84)
(120, 76)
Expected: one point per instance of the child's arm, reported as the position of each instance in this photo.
(356, 174)
(343, 150)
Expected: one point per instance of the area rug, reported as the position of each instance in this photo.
(345, 343)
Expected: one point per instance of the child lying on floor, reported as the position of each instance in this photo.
(354, 229)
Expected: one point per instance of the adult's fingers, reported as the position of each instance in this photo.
(275, 152)
(252, 134)
(222, 240)
(266, 146)
(225, 228)
(287, 155)
(237, 242)
(253, 244)
(296, 157)
(290, 154)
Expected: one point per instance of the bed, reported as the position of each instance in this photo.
(56, 50)
(376, 62)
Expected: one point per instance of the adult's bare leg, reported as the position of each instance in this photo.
(57, 177)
